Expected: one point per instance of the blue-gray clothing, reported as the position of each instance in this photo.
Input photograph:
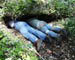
(44, 27)
(29, 32)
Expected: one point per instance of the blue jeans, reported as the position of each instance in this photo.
(48, 30)
(56, 29)
(44, 27)
(29, 32)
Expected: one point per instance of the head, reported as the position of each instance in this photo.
(11, 24)
(8, 20)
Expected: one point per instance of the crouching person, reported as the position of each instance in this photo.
(33, 35)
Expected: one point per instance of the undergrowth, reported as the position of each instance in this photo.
(55, 7)
(70, 28)
(14, 49)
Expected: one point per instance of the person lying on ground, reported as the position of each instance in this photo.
(49, 30)
(33, 35)
(44, 27)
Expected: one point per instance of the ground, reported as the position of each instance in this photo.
(59, 52)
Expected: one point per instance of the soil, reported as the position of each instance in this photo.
(63, 50)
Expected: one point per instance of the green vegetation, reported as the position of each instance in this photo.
(70, 28)
(56, 7)
(64, 8)
(1, 13)
(14, 49)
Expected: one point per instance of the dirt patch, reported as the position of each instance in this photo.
(62, 50)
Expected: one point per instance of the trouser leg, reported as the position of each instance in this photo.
(28, 35)
(56, 29)
(50, 33)
(48, 26)
(36, 32)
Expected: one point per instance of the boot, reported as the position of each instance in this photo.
(38, 44)
(59, 40)
(49, 39)
(64, 33)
